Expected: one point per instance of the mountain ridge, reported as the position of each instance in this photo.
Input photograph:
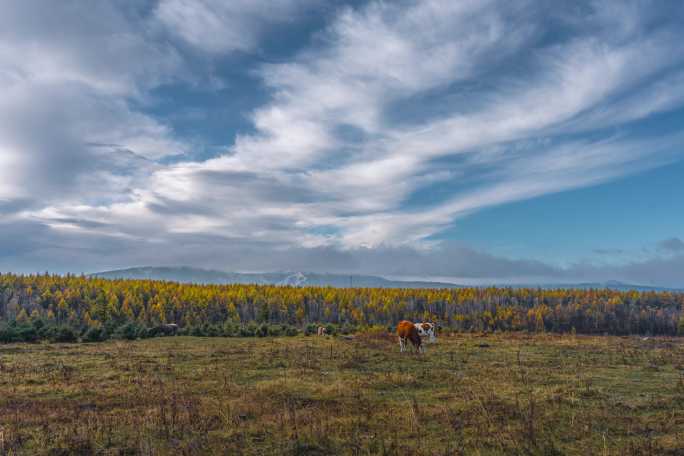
(187, 274)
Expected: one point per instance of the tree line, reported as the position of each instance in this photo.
(67, 308)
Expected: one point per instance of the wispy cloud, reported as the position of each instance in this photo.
(217, 26)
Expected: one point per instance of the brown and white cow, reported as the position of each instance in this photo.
(322, 331)
(414, 332)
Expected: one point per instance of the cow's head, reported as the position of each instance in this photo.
(427, 330)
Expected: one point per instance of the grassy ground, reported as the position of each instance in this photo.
(469, 394)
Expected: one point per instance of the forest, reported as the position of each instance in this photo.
(69, 308)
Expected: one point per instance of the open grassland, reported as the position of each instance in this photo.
(469, 394)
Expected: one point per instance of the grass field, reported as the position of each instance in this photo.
(469, 394)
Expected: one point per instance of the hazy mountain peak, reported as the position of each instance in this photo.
(188, 274)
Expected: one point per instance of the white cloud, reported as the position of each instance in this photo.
(69, 73)
(98, 46)
(69, 141)
(218, 26)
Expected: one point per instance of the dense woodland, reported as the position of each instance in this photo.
(70, 308)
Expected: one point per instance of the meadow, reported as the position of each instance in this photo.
(471, 393)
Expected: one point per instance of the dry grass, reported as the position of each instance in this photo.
(469, 394)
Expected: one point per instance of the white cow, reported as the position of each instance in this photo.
(426, 329)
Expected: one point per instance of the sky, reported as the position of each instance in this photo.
(472, 141)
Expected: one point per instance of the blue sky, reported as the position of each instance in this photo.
(482, 142)
(620, 220)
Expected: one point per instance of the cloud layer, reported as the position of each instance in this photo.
(390, 124)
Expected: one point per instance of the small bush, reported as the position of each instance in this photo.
(129, 331)
(18, 332)
(214, 331)
(38, 324)
(95, 334)
(276, 330)
(47, 331)
(27, 333)
(311, 328)
(155, 331)
(197, 331)
(8, 334)
(230, 329)
(144, 332)
(247, 331)
(252, 328)
(110, 327)
(63, 334)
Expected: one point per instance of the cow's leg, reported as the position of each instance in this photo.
(401, 345)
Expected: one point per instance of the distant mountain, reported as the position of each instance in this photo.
(610, 284)
(186, 274)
